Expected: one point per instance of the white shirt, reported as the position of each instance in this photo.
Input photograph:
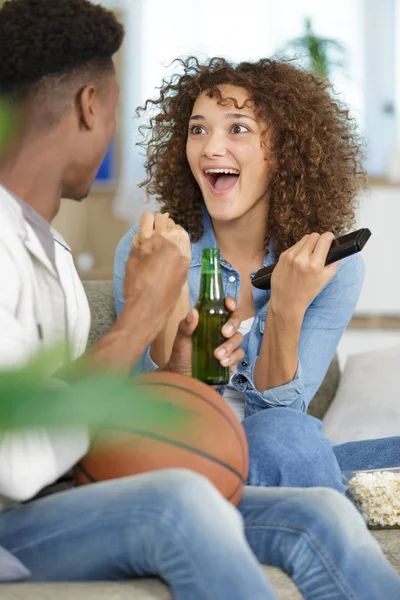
(39, 305)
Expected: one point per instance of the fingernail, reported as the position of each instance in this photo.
(190, 317)
(220, 353)
(228, 329)
(225, 362)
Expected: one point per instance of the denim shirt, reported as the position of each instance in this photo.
(324, 322)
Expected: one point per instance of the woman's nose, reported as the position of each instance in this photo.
(214, 146)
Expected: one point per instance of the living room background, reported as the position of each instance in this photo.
(159, 31)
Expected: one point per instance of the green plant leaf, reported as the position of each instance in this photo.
(28, 398)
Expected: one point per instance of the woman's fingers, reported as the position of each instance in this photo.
(228, 347)
(233, 359)
(322, 248)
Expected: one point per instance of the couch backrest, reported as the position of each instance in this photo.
(101, 300)
(100, 295)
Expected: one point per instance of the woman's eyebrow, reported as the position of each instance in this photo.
(228, 116)
(239, 116)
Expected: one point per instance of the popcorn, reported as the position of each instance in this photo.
(378, 496)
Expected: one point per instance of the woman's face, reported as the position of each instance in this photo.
(226, 156)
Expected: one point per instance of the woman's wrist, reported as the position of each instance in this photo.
(288, 313)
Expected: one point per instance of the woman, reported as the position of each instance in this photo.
(260, 160)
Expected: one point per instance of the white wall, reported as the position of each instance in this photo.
(380, 212)
(379, 84)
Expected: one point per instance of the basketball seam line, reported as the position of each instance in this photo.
(161, 438)
(86, 474)
(170, 385)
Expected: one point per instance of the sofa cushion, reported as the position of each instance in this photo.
(141, 589)
(326, 393)
(366, 404)
(152, 589)
(100, 295)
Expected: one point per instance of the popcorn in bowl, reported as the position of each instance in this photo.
(377, 495)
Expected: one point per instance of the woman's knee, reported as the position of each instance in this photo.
(289, 448)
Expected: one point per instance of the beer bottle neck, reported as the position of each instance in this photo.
(211, 288)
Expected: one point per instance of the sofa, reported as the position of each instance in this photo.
(100, 295)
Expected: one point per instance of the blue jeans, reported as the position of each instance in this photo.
(289, 448)
(175, 525)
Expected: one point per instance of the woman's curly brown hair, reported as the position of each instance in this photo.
(317, 159)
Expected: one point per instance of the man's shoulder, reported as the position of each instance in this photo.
(11, 232)
(11, 218)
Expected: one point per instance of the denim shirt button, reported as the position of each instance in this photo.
(232, 279)
(244, 363)
(241, 379)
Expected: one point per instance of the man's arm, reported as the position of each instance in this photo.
(33, 459)
(154, 277)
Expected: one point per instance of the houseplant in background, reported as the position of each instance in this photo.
(316, 54)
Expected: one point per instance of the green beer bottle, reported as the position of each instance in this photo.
(213, 315)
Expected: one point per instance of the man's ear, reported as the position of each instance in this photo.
(86, 101)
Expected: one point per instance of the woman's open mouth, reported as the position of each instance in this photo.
(221, 181)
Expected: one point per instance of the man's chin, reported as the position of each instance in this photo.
(77, 197)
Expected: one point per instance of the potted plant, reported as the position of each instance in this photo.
(317, 54)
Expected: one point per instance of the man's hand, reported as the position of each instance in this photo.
(155, 273)
(165, 226)
(229, 353)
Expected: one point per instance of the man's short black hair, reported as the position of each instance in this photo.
(43, 42)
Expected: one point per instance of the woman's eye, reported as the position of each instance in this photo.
(196, 130)
(239, 129)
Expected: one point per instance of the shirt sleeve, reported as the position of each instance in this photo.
(324, 324)
(31, 460)
(145, 363)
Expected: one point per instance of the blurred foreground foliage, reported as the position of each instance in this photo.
(29, 398)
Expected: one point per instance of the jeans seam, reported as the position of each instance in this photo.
(51, 536)
(313, 542)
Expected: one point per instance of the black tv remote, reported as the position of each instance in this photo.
(341, 247)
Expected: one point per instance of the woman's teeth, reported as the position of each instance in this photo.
(222, 171)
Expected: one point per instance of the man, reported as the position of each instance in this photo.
(56, 67)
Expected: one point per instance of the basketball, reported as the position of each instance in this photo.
(210, 441)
